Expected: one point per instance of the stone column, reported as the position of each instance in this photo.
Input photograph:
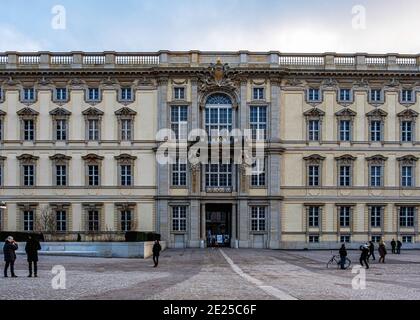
(203, 235)
(234, 217)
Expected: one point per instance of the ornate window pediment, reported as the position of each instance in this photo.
(346, 159)
(407, 160)
(125, 158)
(376, 159)
(314, 159)
(27, 158)
(92, 158)
(60, 158)
(376, 114)
(125, 112)
(407, 115)
(314, 113)
(346, 113)
(93, 112)
(60, 112)
(27, 113)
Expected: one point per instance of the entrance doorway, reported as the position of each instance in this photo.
(218, 225)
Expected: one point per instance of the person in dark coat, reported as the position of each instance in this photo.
(10, 246)
(32, 247)
(156, 251)
(393, 244)
(371, 250)
(399, 245)
(343, 254)
(382, 252)
(363, 256)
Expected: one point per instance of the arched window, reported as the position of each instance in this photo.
(218, 115)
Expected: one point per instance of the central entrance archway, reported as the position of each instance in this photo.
(218, 225)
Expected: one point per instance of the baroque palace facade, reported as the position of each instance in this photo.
(78, 143)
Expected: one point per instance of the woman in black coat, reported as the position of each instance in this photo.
(156, 251)
(31, 248)
(10, 246)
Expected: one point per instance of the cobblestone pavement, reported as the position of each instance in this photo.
(217, 274)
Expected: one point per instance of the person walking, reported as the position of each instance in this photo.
(371, 250)
(32, 247)
(382, 252)
(399, 245)
(343, 255)
(9, 248)
(364, 254)
(156, 251)
(393, 244)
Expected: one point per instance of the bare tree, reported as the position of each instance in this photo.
(47, 220)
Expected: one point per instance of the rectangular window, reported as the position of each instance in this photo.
(93, 129)
(376, 176)
(179, 173)
(93, 94)
(313, 239)
(61, 175)
(179, 218)
(179, 93)
(93, 175)
(218, 175)
(61, 130)
(258, 94)
(29, 94)
(345, 130)
(218, 121)
(313, 94)
(126, 220)
(28, 175)
(406, 95)
(376, 239)
(376, 95)
(406, 176)
(28, 220)
(376, 130)
(126, 125)
(126, 94)
(258, 218)
(313, 218)
(345, 95)
(313, 130)
(344, 217)
(407, 217)
(61, 94)
(313, 175)
(375, 216)
(407, 239)
(406, 131)
(126, 177)
(93, 220)
(61, 220)
(258, 173)
(179, 122)
(258, 122)
(28, 130)
(345, 176)
(345, 239)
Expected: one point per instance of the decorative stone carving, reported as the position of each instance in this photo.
(376, 114)
(218, 75)
(109, 83)
(408, 160)
(314, 159)
(346, 159)
(407, 115)
(362, 83)
(294, 83)
(329, 84)
(77, 84)
(376, 159)
(92, 112)
(314, 113)
(195, 171)
(60, 112)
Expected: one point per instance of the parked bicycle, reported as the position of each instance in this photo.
(335, 261)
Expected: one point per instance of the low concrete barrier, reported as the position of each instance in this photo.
(97, 249)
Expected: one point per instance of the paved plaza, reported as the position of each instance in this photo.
(217, 274)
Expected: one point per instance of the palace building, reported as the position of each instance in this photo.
(79, 137)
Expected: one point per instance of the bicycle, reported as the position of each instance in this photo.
(336, 261)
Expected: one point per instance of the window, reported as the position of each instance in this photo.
(344, 217)
(407, 239)
(28, 130)
(179, 122)
(61, 94)
(126, 177)
(258, 218)
(345, 239)
(376, 239)
(313, 217)
(126, 125)
(61, 175)
(93, 94)
(406, 96)
(61, 129)
(93, 129)
(218, 175)
(313, 130)
(28, 94)
(93, 220)
(313, 239)
(406, 176)
(179, 218)
(345, 176)
(93, 175)
(28, 220)
(376, 176)
(406, 131)
(375, 216)
(126, 220)
(313, 175)
(258, 173)
(61, 220)
(345, 95)
(375, 95)
(126, 94)
(258, 122)
(313, 94)
(179, 93)
(258, 94)
(345, 128)
(218, 120)
(407, 217)
(179, 173)
(376, 131)
(28, 175)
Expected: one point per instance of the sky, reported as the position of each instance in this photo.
(343, 26)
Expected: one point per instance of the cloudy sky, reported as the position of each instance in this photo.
(374, 26)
